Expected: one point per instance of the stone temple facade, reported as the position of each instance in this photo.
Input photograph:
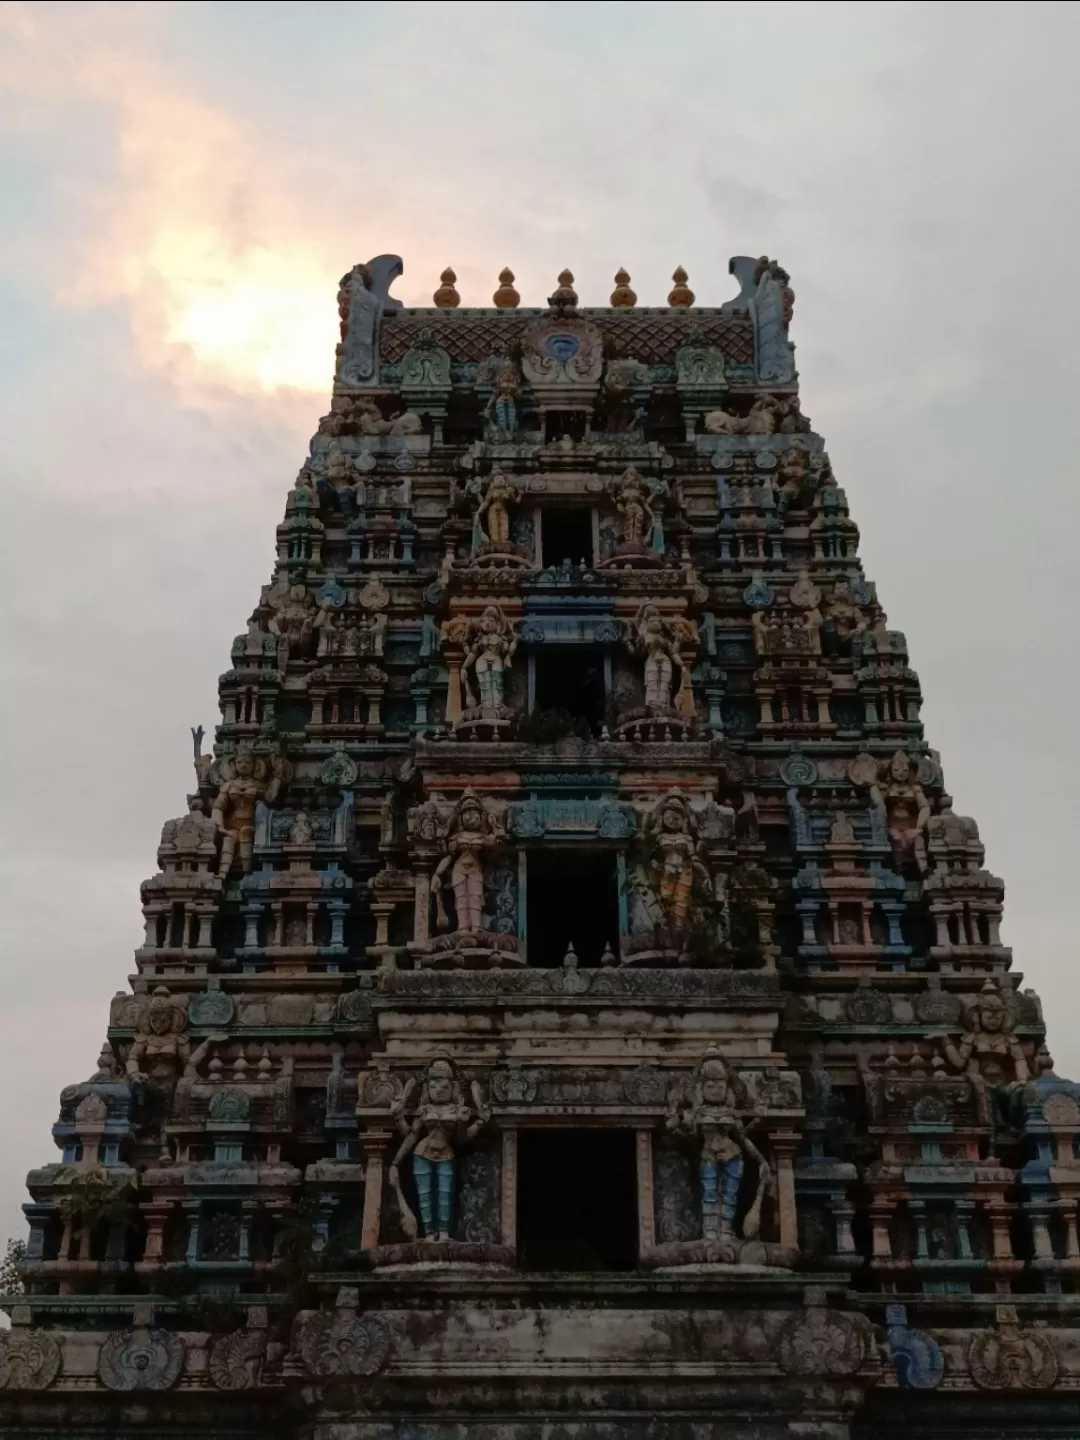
(570, 1007)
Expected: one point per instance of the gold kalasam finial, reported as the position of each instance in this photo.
(622, 297)
(565, 294)
(681, 294)
(506, 297)
(446, 296)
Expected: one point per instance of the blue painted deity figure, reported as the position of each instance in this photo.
(502, 408)
(711, 1118)
(442, 1119)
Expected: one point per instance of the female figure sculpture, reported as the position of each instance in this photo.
(502, 411)
(489, 657)
(500, 494)
(635, 512)
(711, 1118)
(442, 1119)
(907, 812)
(471, 832)
(650, 637)
(679, 862)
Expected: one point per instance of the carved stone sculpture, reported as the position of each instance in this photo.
(141, 1359)
(709, 1116)
(471, 834)
(441, 1121)
(490, 653)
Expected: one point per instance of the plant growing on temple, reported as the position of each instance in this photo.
(91, 1199)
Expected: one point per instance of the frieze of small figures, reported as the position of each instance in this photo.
(753, 988)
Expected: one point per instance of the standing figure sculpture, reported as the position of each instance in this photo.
(907, 812)
(990, 1054)
(489, 656)
(292, 622)
(244, 782)
(471, 832)
(678, 861)
(651, 637)
(636, 516)
(710, 1117)
(441, 1121)
(491, 523)
(501, 412)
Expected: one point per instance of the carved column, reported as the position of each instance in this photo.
(453, 655)
(508, 1190)
(422, 911)
(646, 1194)
(375, 1143)
(784, 1145)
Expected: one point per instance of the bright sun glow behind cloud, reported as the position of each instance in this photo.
(194, 236)
(263, 317)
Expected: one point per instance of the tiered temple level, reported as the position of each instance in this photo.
(570, 1006)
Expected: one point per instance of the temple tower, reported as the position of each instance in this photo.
(569, 1006)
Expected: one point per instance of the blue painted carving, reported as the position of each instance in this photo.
(500, 900)
(569, 816)
(330, 593)
(915, 1355)
(758, 594)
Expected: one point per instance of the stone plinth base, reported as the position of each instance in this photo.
(471, 950)
(427, 1254)
(721, 1254)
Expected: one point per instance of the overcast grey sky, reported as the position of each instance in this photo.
(184, 184)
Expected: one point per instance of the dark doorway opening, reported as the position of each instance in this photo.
(572, 679)
(571, 896)
(590, 1224)
(566, 535)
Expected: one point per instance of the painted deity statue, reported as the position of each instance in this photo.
(652, 637)
(907, 811)
(442, 1120)
(161, 1048)
(489, 656)
(678, 862)
(636, 517)
(492, 521)
(711, 1119)
(292, 622)
(990, 1055)
(989, 1050)
(471, 832)
(502, 409)
(245, 780)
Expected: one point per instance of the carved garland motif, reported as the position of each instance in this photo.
(1012, 1359)
(28, 1361)
(236, 1360)
(331, 1345)
(141, 1359)
(822, 1342)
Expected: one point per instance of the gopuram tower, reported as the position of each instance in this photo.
(570, 1008)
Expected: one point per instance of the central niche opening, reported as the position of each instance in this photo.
(577, 1200)
(572, 895)
(572, 679)
(566, 534)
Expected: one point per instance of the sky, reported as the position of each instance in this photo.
(182, 187)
